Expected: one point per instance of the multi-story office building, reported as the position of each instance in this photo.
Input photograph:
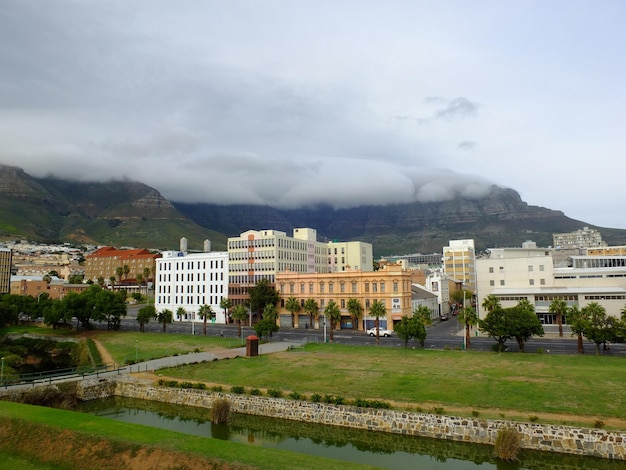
(585, 238)
(343, 256)
(459, 262)
(5, 270)
(256, 255)
(419, 260)
(391, 286)
(191, 281)
(103, 263)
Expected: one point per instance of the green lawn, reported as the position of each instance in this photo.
(530, 384)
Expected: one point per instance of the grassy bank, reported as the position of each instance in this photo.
(54, 439)
(556, 388)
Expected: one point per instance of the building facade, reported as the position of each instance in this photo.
(584, 238)
(104, 263)
(5, 270)
(344, 256)
(459, 262)
(391, 286)
(256, 255)
(191, 281)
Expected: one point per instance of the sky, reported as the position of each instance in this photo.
(294, 103)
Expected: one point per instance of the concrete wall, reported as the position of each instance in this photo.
(562, 439)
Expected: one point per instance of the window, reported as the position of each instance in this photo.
(531, 282)
(291, 288)
(502, 282)
(331, 287)
(530, 268)
(367, 287)
(541, 267)
(492, 283)
(342, 287)
(542, 282)
(343, 303)
(395, 287)
(501, 269)
(354, 287)
(321, 287)
(491, 270)
(374, 287)
(310, 287)
(382, 287)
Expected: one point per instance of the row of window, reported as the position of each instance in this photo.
(189, 265)
(189, 300)
(342, 303)
(190, 289)
(191, 277)
(531, 282)
(342, 287)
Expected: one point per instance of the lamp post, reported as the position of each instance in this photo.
(325, 327)
(2, 372)
(136, 348)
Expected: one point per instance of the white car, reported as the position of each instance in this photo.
(381, 332)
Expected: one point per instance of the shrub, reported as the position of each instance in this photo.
(598, 424)
(238, 389)
(316, 398)
(539, 351)
(438, 410)
(328, 399)
(507, 444)
(339, 400)
(475, 413)
(186, 385)
(220, 411)
(256, 392)
(533, 418)
(274, 393)
(377, 404)
(296, 395)
(217, 388)
(199, 386)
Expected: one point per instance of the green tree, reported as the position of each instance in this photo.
(495, 325)
(577, 321)
(119, 271)
(164, 317)
(144, 315)
(597, 329)
(262, 294)
(491, 302)
(559, 308)
(411, 327)
(293, 306)
(75, 279)
(311, 307)
(265, 327)
(377, 310)
(109, 306)
(126, 271)
(468, 318)
(226, 304)
(180, 313)
(100, 281)
(355, 308)
(205, 312)
(333, 313)
(523, 323)
(239, 314)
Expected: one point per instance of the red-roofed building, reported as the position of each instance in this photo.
(105, 262)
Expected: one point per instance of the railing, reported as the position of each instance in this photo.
(43, 377)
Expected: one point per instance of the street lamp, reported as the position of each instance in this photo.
(136, 346)
(325, 327)
(2, 372)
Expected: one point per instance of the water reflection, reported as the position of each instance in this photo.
(383, 450)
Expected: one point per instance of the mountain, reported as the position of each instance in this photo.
(119, 213)
(127, 213)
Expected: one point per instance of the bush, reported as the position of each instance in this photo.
(533, 418)
(598, 424)
(220, 411)
(255, 392)
(507, 444)
(475, 413)
(377, 404)
(438, 410)
(296, 396)
(274, 393)
(339, 400)
(238, 389)
(316, 398)
(217, 388)
(539, 351)
(328, 399)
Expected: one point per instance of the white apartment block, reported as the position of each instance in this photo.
(459, 262)
(512, 274)
(260, 254)
(344, 256)
(437, 282)
(191, 281)
(585, 238)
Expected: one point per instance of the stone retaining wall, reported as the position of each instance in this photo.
(543, 437)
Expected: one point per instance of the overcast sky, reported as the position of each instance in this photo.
(293, 102)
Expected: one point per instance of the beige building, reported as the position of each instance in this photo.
(459, 262)
(5, 270)
(584, 238)
(105, 261)
(261, 254)
(343, 256)
(391, 286)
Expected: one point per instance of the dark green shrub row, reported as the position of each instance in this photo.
(93, 352)
(377, 404)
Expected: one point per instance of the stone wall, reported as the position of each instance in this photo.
(543, 437)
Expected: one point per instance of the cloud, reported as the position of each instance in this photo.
(468, 145)
(457, 108)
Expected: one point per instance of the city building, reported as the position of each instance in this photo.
(5, 269)
(191, 280)
(418, 260)
(104, 263)
(391, 286)
(459, 262)
(260, 254)
(350, 255)
(583, 238)
(421, 296)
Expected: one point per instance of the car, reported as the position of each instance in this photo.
(444, 317)
(381, 332)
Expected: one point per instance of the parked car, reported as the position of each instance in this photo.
(444, 317)
(381, 332)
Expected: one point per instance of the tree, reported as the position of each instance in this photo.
(226, 304)
(411, 327)
(164, 317)
(293, 306)
(181, 313)
(311, 307)
(205, 312)
(100, 281)
(491, 302)
(112, 279)
(265, 327)
(333, 314)
(109, 306)
(262, 294)
(558, 307)
(126, 271)
(468, 318)
(523, 323)
(75, 279)
(355, 308)
(144, 315)
(119, 271)
(239, 314)
(577, 322)
(139, 279)
(597, 327)
(377, 310)
(495, 325)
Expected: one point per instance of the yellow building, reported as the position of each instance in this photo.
(459, 262)
(343, 256)
(5, 270)
(105, 261)
(391, 286)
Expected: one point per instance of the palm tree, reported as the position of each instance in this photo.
(226, 304)
(126, 271)
(491, 302)
(333, 313)
(206, 312)
(559, 307)
(424, 314)
(119, 271)
(293, 305)
(469, 318)
(356, 312)
(311, 307)
(577, 321)
(180, 313)
(239, 314)
(377, 310)
(112, 279)
(164, 317)
(595, 327)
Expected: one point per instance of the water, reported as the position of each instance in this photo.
(383, 450)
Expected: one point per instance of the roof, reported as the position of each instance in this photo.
(112, 252)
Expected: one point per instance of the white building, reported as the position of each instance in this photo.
(438, 283)
(344, 256)
(191, 281)
(420, 295)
